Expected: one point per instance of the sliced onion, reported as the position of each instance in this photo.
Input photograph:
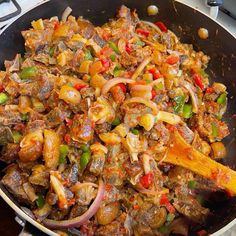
(168, 117)
(146, 102)
(112, 82)
(152, 25)
(193, 96)
(140, 68)
(78, 221)
(78, 186)
(152, 192)
(66, 13)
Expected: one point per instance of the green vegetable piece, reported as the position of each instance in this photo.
(222, 99)
(135, 131)
(28, 72)
(170, 217)
(117, 71)
(40, 201)
(163, 229)
(200, 199)
(140, 43)
(114, 47)
(179, 100)
(51, 51)
(17, 136)
(116, 121)
(24, 116)
(159, 86)
(85, 148)
(88, 56)
(113, 57)
(214, 130)
(192, 184)
(3, 98)
(84, 160)
(187, 111)
(203, 73)
(63, 149)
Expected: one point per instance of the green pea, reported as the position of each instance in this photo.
(116, 121)
(135, 131)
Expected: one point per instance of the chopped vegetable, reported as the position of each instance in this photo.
(3, 98)
(170, 217)
(84, 160)
(179, 100)
(38, 24)
(40, 200)
(114, 47)
(222, 99)
(64, 149)
(192, 184)
(219, 150)
(214, 130)
(187, 111)
(88, 56)
(85, 148)
(143, 32)
(161, 26)
(135, 131)
(198, 80)
(52, 51)
(171, 60)
(69, 95)
(17, 136)
(117, 71)
(113, 57)
(147, 180)
(116, 121)
(28, 72)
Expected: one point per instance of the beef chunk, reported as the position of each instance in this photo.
(10, 152)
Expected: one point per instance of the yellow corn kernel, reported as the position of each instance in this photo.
(61, 59)
(110, 138)
(38, 25)
(97, 81)
(84, 67)
(146, 121)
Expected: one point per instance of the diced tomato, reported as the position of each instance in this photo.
(161, 26)
(198, 81)
(67, 138)
(105, 63)
(147, 180)
(107, 51)
(68, 122)
(56, 25)
(156, 74)
(210, 90)
(164, 199)
(171, 60)
(19, 127)
(80, 86)
(123, 87)
(128, 49)
(1, 88)
(136, 207)
(143, 32)
(170, 208)
(154, 93)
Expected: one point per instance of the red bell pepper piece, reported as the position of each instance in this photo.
(128, 49)
(164, 199)
(107, 51)
(147, 180)
(198, 81)
(123, 87)
(143, 32)
(171, 60)
(161, 26)
(67, 138)
(1, 88)
(156, 74)
(105, 63)
(80, 86)
(154, 93)
(210, 90)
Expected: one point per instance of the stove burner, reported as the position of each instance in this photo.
(13, 14)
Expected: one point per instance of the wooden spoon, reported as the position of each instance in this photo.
(183, 154)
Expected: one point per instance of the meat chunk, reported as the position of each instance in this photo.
(9, 117)
(54, 118)
(102, 128)
(81, 129)
(40, 176)
(9, 152)
(191, 208)
(13, 181)
(5, 135)
(77, 210)
(34, 126)
(97, 164)
(186, 132)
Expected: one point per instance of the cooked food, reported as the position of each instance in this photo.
(113, 129)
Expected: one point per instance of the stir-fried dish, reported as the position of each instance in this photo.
(87, 118)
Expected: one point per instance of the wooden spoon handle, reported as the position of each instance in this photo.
(183, 154)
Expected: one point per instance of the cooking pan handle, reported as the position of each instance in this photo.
(28, 229)
(215, 3)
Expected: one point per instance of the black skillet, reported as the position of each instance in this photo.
(184, 21)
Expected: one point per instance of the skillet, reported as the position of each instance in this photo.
(184, 22)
